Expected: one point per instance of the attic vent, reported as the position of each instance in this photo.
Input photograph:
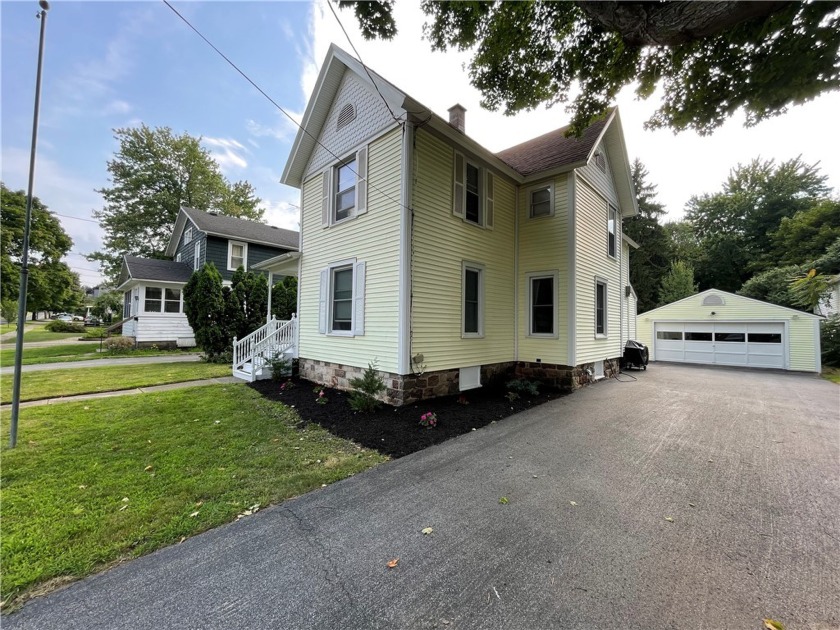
(601, 161)
(345, 116)
(713, 299)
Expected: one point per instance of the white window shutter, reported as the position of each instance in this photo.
(458, 187)
(322, 302)
(489, 205)
(361, 180)
(325, 203)
(359, 299)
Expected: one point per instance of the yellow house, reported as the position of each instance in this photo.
(448, 264)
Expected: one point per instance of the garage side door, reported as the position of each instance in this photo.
(747, 344)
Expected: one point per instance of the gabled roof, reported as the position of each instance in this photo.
(550, 154)
(553, 150)
(734, 296)
(232, 227)
(137, 268)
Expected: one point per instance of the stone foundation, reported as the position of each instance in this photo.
(409, 388)
(563, 377)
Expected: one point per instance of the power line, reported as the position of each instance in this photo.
(273, 102)
(67, 216)
(376, 87)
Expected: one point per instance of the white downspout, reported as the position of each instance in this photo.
(516, 276)
(404, 292)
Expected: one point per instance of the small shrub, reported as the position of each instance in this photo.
(428, 420)
(119, 345)
(58, 326)
(281, 367)
(9, 310)
(523, 386)
(830, 340)
(366, 387)
(93, 333)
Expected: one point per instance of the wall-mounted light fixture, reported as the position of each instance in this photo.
(713, 313)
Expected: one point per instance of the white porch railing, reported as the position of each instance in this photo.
(252, 353)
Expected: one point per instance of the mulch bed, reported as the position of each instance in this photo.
(396, 431)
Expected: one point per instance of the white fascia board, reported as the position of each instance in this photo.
(618, 156)
(278, 263)
(177, 230)
(737, 297)
(629, 241)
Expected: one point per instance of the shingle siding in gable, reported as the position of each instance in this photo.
(372, 117)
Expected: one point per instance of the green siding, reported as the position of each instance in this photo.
(803, 341)
(373, 238)
(217, 253)
(543, 247)
(441, 243)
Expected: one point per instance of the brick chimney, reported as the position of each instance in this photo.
(457, 117)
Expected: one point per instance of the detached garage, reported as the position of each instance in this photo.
(719, 328)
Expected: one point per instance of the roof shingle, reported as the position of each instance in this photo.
(159, 270)
(244, 229)
(552, 150)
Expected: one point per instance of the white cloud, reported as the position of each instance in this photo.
(681, 165)
(282, 213)
(284, 129)
(227, 152)
(116, 107)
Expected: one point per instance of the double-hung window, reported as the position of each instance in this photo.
(197, 256)
(600, 308)
(237, 255)
(472, 283)
(187, 235)
(541, 201)
(612, 230)
(342, 301)
(345, 189)
(542, 299)
(160, 300)
(473, 192)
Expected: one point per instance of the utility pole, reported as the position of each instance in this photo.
(24, 259)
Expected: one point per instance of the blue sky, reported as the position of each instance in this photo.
(116, 64)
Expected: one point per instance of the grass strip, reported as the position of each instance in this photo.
(75, 352)
(92, 380)
(94, 482)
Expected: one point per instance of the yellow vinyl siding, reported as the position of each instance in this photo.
(441, 242)
(373, 238)
(591, 261)
(799, 330)
(543, 247)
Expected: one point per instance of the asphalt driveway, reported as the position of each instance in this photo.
(746, 464)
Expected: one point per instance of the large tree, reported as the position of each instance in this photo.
(153, 174)
(677, 284)
(710, 58)
(650, 261)
(52, 285)
(805, 236)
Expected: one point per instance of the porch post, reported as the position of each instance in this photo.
(270, 283)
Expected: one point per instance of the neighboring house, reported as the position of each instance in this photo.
(153, 304)
(447, 263)
(719, 328)
(830, 305)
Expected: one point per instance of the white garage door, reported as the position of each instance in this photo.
(747, 344)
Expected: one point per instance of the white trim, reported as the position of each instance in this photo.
(188, 232)
(197, 255)
(817, 346)
(178, 257)
(349, 263)
(606, 333)
(555, 324)
(533, 189)
(162, 312)
(738, 297)
(516, 274)
(473, 266)
(616, 240)
(404, 269)
(244, 244)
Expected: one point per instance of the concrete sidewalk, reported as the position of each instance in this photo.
(69, 365)
(126, 392)
(685, 498)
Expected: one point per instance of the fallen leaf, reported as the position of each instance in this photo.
(125, 499)
(669, 519)
(199, 504)
(503, 500)
(183, 538)
(573, 502)
(122, 508)
(690, 505)
(534, 476)
(82, 487)
(194, 514)
(393, 563)
(771, 624)
(148, 468)
(426, 531)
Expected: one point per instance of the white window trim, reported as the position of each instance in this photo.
(606, 333)
(197, 256)
(244, 255)
(356, 330)
(330, 185)
(486, 192)
(555, 276)
(188, 235)
(178, 257)
(530, 191)
(141, 306)
(616, 231)
(472, 266)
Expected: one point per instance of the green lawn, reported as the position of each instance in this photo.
(69, 382)
(73, 352)
(39, 334)
(832, 374)
(97, 481)
(4, 328)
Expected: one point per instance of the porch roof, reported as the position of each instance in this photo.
(283, 265)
